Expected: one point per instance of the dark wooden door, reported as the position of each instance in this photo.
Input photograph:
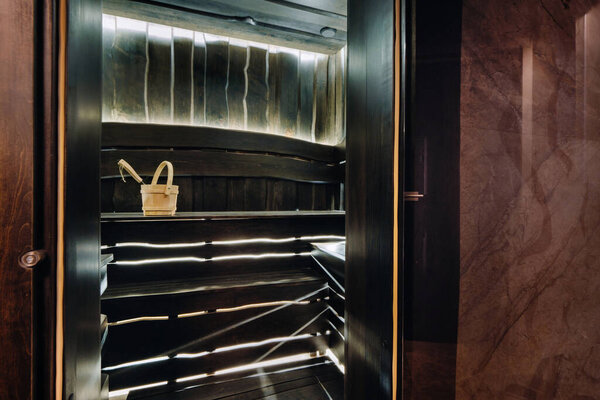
(373, 183)
(17, 130)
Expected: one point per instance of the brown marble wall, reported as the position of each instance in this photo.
(529, 312)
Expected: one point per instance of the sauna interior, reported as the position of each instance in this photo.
(240, 294)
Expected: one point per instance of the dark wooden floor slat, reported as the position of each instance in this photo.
(115, 134)
(223, 164)
(147, 339)
(183, 367)
(197, 227)
(118, 306)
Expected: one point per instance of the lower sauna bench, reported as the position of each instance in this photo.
(223, 305)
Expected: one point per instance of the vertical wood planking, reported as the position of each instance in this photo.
(236, 85)
(109, 23)
(185, 198)
(159, 73)
(198, 84)
(321, 101)
(330, 135)
(198, 187)
(288, 93)
(217, 60)
(215, 194)
(281, 195)
(126, 196)
(319, 196)
(182, 75)
(235, 194)
(305, 106)
(255, 194)
(107, 188)
(340, 96)
(304, 193)
(130, 70)
(257, 94)
(274, 93)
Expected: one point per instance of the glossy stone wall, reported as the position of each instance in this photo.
(529, 312)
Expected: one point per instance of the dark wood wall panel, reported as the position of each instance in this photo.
(123, 228)
(183, 46)
(228, 194)
(288, 92)
(199, 79)
(274, 93)
(159, 74)
(307, 97)
(180, 136)
(217, 59)
(129, 68)
(370, 199)
(257, 94)
(236, 86)
(108, 63)
(222, 163)
(322, 112)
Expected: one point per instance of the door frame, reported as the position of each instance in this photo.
(78, 183)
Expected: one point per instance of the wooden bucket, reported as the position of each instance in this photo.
(156, 199)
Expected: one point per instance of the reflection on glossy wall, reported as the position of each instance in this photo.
(529, 320)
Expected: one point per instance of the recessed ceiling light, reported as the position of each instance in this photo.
(328, 32)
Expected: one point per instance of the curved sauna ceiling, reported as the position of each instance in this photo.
(251, 69)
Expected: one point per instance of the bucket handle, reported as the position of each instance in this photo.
(169, 166)
(124, 165)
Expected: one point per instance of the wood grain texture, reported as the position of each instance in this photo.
(236, 86)
(116, 134)
(129, 57)
(274, 93)
(193, 227)
(370, 200)
(322, 111)
(199, 77)
(183, 46)
(217, 60)
(222, 164)
(288, 93)
(185, 14)
(109, 27)
(257, 93)
(307, 97)
(17, 134)
(159, 96)
(83, 109)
